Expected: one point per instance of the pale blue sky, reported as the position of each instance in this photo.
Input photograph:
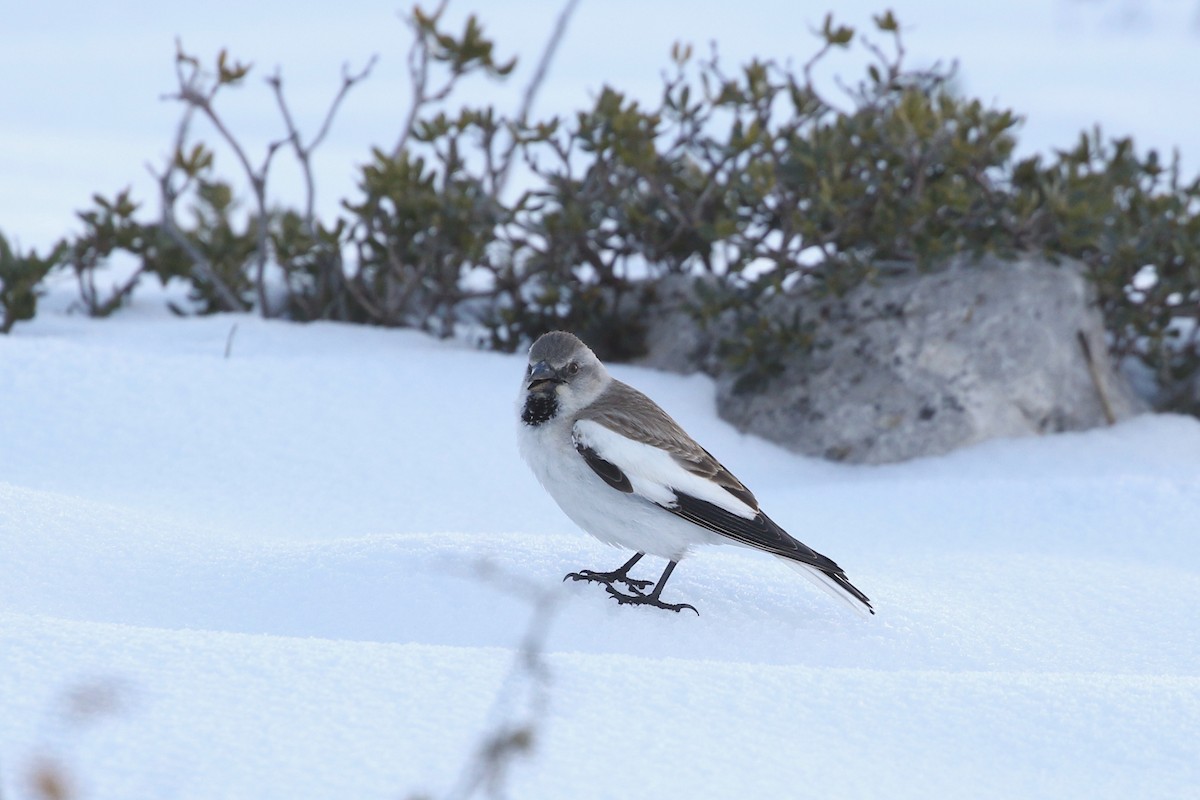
(80, 85)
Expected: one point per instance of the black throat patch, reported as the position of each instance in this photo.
(539, 407)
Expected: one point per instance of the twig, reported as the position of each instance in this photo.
(511, 735)
(809, 83)
(531, 91)
(229, 341)
(191, 94)
(201, 266)
(1094, 371)
(539, 75)
(333, 274)
(198, 95)
(418, 70)
(304, 151)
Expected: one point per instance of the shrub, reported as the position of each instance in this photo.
(755, 179)
(20, 279)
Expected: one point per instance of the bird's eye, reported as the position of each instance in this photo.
(573, 368)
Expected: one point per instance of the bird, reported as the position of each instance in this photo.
(628, 474)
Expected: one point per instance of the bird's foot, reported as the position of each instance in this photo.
(637, 589)
(639, 599)
(608, 579)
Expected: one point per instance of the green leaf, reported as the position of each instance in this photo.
(886, 22)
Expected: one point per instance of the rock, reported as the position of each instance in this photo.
(675, 339)
(922, 363)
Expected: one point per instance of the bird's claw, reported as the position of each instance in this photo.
(608, 579)
(637, 588)
(639, 599)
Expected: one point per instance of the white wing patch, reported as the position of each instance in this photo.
(654, 474)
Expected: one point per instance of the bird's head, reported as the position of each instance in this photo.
(563, 375)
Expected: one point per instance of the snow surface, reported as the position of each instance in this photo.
(302, 571)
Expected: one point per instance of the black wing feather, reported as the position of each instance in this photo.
(607, 470)
(762, 533)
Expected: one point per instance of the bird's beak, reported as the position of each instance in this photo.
(540, 375)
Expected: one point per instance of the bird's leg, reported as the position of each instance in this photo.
(619, 575)
(652, 599)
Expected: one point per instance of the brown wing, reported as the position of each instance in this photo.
(624, 410)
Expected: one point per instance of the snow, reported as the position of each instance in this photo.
(305, 570)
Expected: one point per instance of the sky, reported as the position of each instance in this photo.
(81, 86)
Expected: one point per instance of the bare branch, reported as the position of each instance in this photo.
(192, 95)
(535, 84)
(304, 151)
(523, 699)
(202, 268)
(418, 70)
(349, 80)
